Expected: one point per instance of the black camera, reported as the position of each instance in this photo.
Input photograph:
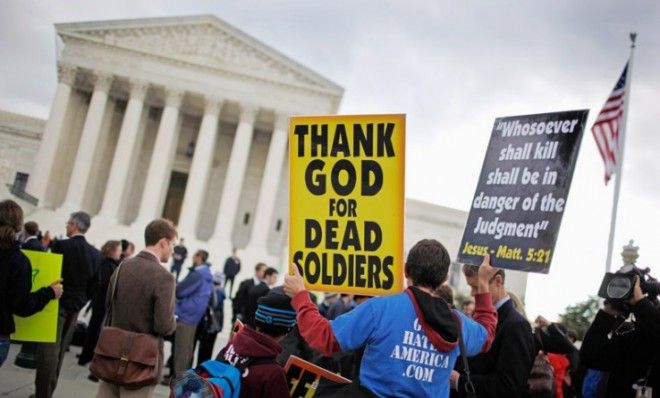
(619, 286)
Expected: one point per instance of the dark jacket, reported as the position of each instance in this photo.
(182, 252)
(144, 301)
(15, 286)
(250, 308)
(80, 263)
(106, 268)
(338, 308)
(33, 244)
(502, 371)
(294, 344)
(193, 294)
(232, 267)
(630, 352)
(241, 297)
(265, 379)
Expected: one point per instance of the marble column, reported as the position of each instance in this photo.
(45, 164)
(200, 168)
(125, 152)
(269, 183)
(87, 145)
(160, 166)
(231, 192)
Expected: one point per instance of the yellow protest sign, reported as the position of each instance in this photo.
(42, 326)
(346, 202)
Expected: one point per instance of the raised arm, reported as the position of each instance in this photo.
(484, 312)
(313, 327)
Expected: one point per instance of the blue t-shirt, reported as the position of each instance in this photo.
(398, 360)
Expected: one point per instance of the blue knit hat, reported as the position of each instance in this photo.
(274, 309)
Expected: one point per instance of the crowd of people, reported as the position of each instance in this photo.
(148, 302)
(416, 343)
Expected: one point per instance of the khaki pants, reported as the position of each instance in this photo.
(108, 390)
(51, 355)
(184, 343)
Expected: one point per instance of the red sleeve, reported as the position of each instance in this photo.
(486, 316)
(313, 327)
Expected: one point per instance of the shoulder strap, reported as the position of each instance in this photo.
(108, 320)
(469, 386)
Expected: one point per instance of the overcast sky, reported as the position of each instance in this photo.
(452, 67)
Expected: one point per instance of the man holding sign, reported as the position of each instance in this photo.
(16, 277)
(80, 264)
(411, 339)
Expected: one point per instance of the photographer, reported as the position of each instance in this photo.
(627, 350)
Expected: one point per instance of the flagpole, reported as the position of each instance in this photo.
(622, 142)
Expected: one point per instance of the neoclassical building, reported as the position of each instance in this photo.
(185, 118)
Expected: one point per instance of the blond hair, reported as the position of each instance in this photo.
(517, 303)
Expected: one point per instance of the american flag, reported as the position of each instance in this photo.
(607, 126)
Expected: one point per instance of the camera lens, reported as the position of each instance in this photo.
(619, 287)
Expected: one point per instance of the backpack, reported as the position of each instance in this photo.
(213, 379)
(215, 313)
(541, 380)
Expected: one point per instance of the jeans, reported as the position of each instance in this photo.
(4, 349)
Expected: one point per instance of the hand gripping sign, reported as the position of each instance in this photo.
(346, 202)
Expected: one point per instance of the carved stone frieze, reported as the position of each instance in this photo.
(205, 45)
(108, 54)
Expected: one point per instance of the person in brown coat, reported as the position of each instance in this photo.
(144, 301)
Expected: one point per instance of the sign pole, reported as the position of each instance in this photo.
(619, 166)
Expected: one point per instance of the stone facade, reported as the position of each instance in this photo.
(181, 117)
(19, 143)
(178, 117)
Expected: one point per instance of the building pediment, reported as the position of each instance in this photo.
(204, 41)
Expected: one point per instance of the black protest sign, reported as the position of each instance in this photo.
(521, 196)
